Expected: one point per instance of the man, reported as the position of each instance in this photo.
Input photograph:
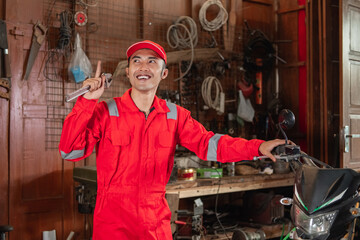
(135, 138)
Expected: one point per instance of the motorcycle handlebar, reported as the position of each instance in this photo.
(311, 161)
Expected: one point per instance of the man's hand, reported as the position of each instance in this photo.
(97, 84)
(266, 147)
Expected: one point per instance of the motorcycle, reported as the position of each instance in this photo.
(325, 203)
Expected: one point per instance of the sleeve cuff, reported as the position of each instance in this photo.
(257, 143)
(86, 105)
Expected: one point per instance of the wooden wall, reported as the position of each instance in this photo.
(41, 189)
(4, 144)
(323, 78)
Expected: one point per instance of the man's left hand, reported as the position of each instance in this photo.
(266, 147)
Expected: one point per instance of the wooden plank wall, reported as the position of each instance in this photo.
(288, 50)
(4, 147)
(323, 78)
(41, 195)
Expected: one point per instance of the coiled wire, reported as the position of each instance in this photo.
(217, 22)
(65, 30)
(177, 39)
(206, 92)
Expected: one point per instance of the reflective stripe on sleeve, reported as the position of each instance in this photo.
(113, 110)
(212, 147)
(173, 111)
(73, 154)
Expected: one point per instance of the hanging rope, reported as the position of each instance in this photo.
(178, 39)
(217, 22)
(206, 92)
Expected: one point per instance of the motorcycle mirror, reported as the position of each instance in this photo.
(286, 119)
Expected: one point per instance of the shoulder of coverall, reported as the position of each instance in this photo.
(117, 105)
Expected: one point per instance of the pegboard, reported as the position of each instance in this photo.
(111, 27)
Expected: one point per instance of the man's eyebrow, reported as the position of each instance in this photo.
(151, 57)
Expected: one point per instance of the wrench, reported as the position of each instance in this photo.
(85, 89)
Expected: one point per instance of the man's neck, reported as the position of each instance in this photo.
(143, 100)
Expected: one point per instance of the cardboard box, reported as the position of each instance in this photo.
(209, 172)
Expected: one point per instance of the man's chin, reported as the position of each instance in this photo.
(145, 89)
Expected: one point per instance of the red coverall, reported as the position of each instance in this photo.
(135, 157)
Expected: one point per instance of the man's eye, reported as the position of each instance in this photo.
(152, 61)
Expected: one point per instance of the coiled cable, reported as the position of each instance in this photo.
(177, 39)
(217, 22)
(65, 30)
(206, 90)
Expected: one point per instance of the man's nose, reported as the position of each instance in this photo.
(144, 66)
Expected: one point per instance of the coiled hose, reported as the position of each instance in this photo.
(217, 22)
(177, 39)
(206, 92)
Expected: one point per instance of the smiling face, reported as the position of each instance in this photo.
(146, 70)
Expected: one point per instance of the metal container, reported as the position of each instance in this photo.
(187, 174)
(231, 169)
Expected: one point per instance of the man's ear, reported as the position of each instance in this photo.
(164, 73)
(127, 72)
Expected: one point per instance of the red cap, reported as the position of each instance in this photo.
(147, 44)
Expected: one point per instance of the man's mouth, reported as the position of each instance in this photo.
(143, 77)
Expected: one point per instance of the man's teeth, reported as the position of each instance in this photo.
(143, 77)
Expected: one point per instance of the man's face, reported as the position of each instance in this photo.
(146, 70)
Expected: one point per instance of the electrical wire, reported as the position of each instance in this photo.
(282, 233)
(85, 5)
(216, 205)
(178, 39)
(217, 22)
(206, 92)
(216, 198)
(65, 30)
(63, 49)
(50, 12)
(288, 235)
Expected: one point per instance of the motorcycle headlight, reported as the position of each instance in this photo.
(315, 225)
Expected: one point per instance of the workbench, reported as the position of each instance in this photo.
(205, 187)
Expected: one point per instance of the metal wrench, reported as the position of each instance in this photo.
(85, 89)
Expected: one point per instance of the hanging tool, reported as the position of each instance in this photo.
(80, 18)
(5, 61)
(37, 40)
(5, 72)
(85, 89)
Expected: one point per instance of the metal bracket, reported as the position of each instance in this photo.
(17, 32)
(347, 137)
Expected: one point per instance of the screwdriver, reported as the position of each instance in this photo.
(85, 89)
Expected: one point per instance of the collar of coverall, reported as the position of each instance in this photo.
(149, 45)
(128, 104)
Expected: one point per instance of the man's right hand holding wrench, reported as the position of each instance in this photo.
(92, 88)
